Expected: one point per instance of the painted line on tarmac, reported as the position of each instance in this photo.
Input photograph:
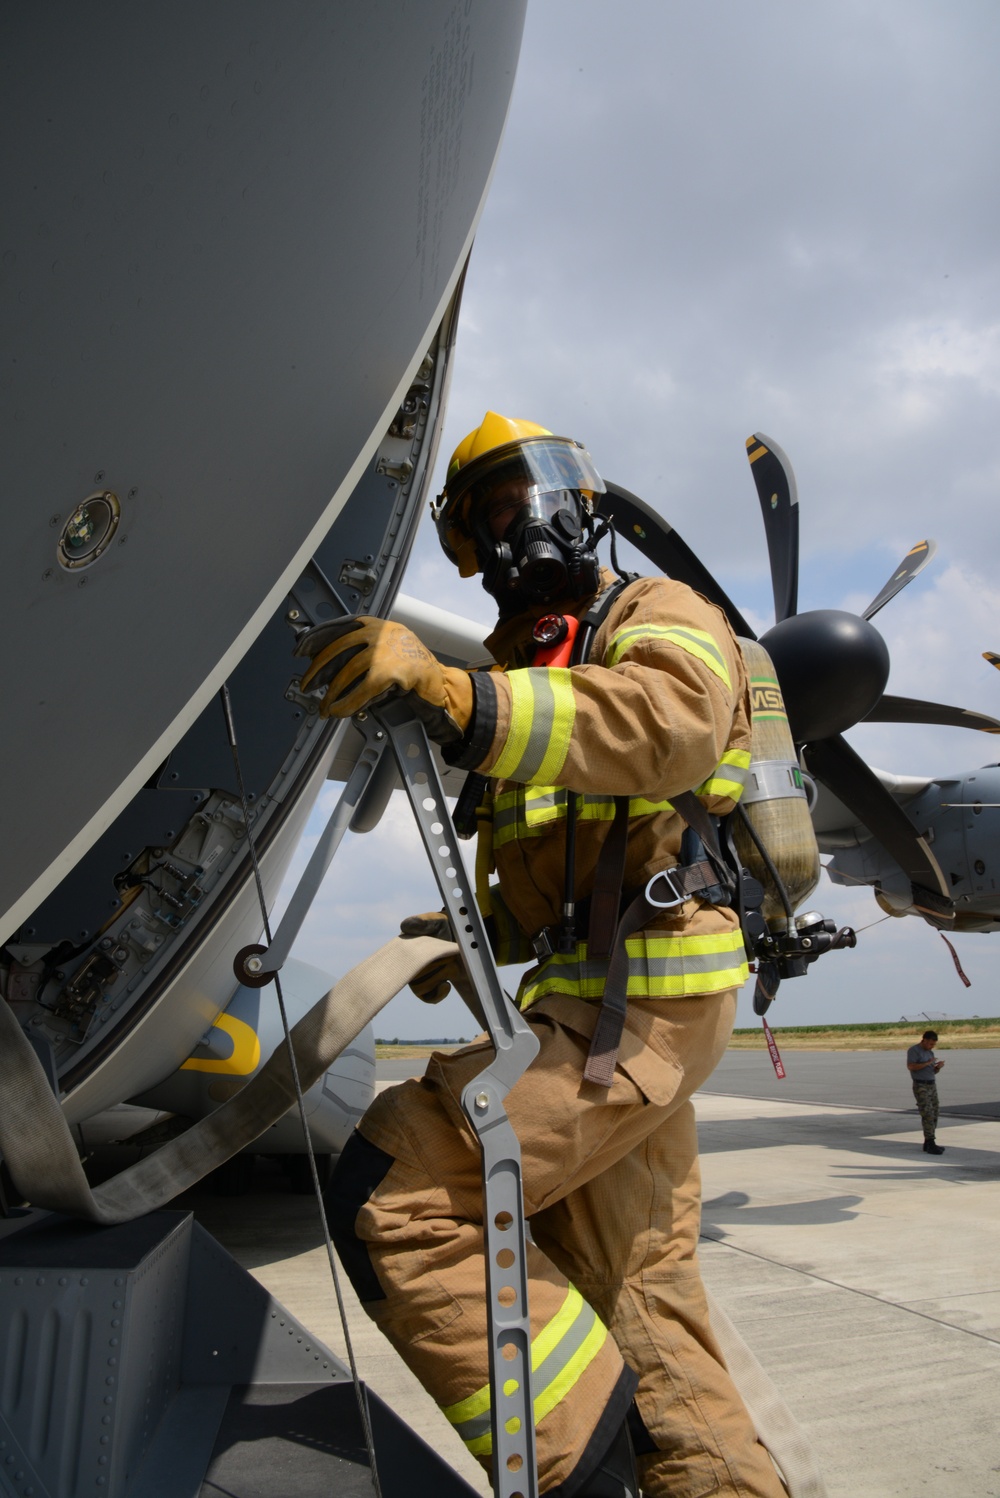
(808, 1102)
(824, 1279)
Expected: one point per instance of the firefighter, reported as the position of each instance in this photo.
(626, 1369)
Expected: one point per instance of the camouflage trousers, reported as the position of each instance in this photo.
(926, 1095)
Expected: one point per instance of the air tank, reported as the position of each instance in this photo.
(776, 799)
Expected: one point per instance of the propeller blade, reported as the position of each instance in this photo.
(845, 773)
(779, 505)
(891, 709)
(656, 538)
(992, 657)
(915, 561)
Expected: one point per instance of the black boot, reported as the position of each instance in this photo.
(931, 1148)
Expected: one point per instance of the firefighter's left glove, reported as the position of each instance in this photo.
(362, 662)
(434, 983)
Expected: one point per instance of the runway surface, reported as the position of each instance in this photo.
(862, 1272)
(968, 1086)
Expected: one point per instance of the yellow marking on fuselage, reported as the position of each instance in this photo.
(245, 1056)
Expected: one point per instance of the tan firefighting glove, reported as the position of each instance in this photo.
(434, 983)
(363, 661)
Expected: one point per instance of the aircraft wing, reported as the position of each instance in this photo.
(837, 827)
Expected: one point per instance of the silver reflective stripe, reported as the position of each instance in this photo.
(479, 1425)
(699, 638)
(772, 780)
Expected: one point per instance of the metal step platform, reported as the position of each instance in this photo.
(141, 1361)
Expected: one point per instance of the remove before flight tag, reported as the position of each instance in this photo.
(772, 1045)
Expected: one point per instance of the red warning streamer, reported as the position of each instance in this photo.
(772, 1045)
(954, 958)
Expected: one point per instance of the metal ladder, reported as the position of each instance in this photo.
(396, 741)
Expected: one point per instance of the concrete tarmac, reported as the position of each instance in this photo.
(863, 1273)
(969, 1084)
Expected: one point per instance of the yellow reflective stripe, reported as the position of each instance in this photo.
(549, 979)
(468, 1409)
(522, 705)
(659, 967)
(696, 642)
(690, 985)
(729, 777)
(543, 709)
(542, 1346)
(523, 812)
(528, 812)
(578, 1363)
(732, 789)
(561, 1352)
(638, 806)
(553, 1332)
(562, 727)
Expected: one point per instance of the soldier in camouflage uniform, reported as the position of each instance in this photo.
(923, 1069)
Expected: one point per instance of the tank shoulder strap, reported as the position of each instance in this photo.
(595, 616)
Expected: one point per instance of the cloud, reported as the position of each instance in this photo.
(713, 220)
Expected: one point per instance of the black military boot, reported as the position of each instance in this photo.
(932, 1148)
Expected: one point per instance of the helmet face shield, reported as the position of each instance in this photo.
(509, 504)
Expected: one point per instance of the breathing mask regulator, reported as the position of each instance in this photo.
(546, 551)
(520, 513)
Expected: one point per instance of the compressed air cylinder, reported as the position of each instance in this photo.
(775, 797)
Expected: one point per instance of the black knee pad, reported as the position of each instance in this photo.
(359, 1171)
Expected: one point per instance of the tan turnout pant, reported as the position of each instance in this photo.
(612, 1192)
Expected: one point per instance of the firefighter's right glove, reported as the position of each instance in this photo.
(434, 983)
(363, 661)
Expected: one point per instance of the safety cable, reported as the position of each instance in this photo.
(360, 1392)
(858, 929)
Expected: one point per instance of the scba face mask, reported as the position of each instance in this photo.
(543, 552)
(520, 514)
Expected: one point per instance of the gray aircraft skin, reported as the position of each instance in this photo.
(230, 234)
(235, 242)
(956, 814)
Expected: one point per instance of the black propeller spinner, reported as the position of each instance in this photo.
(832, 666)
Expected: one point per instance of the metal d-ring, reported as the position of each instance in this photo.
(679, 896)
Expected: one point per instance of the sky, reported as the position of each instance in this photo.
(718, 219)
